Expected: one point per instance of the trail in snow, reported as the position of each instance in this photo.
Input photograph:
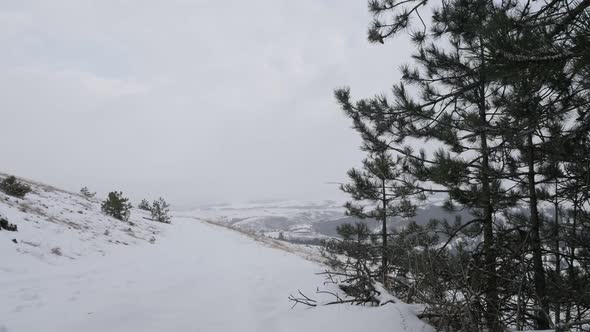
(198, 277)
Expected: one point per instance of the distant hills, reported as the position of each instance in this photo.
(300, 220)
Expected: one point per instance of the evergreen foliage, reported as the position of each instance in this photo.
(11, 186)
(502, 91)
(117, 206)
(87, 193)
(160, 211)
(4, 224)
(379, 191)
(144, 205)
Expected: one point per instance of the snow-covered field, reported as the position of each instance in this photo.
(300, 221)
(194, 277)
(295, 219)
(56, 226)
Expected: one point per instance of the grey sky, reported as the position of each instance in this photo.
(198, 101)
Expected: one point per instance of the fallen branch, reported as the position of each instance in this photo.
(303, 300)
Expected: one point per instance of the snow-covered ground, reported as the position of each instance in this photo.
(295, 219)
(300, 221)
(195, 277)
(56, 225)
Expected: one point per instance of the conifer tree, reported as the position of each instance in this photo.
(575, 189)
(502, 89)
(160, 211)
(87, 193)
(117, 206)
(542, 91)
(144, 205)
(455, 86)
(380, 187)
(11, 186)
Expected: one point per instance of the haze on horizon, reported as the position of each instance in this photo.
(197, 101)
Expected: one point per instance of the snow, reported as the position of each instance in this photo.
(294, 218)
(56, 225)
(195, 277)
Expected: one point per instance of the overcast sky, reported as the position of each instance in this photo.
(198, 101)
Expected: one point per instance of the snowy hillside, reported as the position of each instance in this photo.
(55, 225)
(108, 276)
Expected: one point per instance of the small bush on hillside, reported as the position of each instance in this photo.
(4, 224)
(160, 211)
(117, 206)
(144, 205)
(56, 251)
(11, 186)
(86, 192)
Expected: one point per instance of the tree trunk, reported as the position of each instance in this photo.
(491, 289)
(536, 245)
(489, 251)
(557, 254)
(384, 235)
(572, 254)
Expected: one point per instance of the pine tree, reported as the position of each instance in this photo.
(380, 187)
(86, 192)
(535, 113)
(574, 187)
(542, 91)
(117, 206)
(502, 89)
(144, 205)
(455, 86)
(11, 186)
(557, 38)
(160, 211)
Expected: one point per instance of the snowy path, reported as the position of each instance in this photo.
(198, 277)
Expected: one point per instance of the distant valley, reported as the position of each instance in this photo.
(303, 221)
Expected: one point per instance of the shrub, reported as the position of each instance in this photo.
(86, 193)
(144, 205)
(11, 186)
(160, 211)
(4, 224)
(56, 251)
(117, 206)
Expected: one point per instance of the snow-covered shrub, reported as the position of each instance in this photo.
(117, 206)
(11, 186)
(144, 205)
(4, 224)
(160, 211)
(86, 192)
